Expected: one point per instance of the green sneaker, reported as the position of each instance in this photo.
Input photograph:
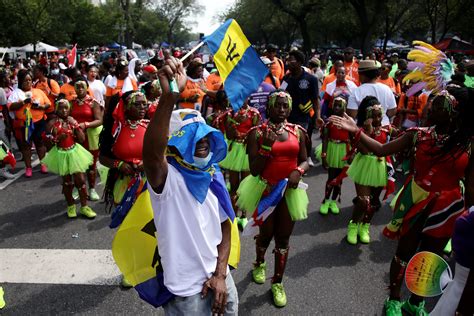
(333, 207)
(2, 300)
(75, 193)
(71, 211)
(364, 235)
(93, 196)
(324, 209)
(87, 212)
(447, 250)
(125, 283)
(393, 307)
(258, 273)
(413, 310)
(279, 295)
(352, 229)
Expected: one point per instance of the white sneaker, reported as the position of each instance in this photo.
(6, 174)
(310, 162)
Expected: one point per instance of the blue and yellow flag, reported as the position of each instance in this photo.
(135, 251)
(238, 63)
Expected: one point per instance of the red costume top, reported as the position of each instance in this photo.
(67, 142)
(337, 135)
(82, 111)
(432, 173)
(252, 118)
(128, 144)
(284, 157)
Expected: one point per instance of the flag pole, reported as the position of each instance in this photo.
(192, 51)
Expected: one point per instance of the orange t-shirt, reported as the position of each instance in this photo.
(277, 68)
(269, 81)
(352, 70)
(417, 103)
(68, 90)
(330, 78)
(192, 88)
(36, 114)
(113, 91)
(214, 82)
(391, 84)
(50, 92)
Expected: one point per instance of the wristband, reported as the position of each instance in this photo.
(264, 153)
(266, 148)
(300, 170)
(324, 155)
(117, 164)
(86, 125)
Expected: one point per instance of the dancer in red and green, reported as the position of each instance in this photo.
(368, 171)
(88, 113)
(426, 208)
(236, 125)
(335, 147)
(277, 151)
(68, 158)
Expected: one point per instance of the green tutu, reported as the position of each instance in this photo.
(68, 162)
(368, 170)
(237, 158)
(3, 153)
(317, 152)
(335, 153)
(252, 188)
(93, 137)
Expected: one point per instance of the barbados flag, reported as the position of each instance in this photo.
(238, 63)
(136, 252)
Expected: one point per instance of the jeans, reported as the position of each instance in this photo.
(195, 305)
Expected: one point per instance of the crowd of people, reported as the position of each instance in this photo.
(220, 163)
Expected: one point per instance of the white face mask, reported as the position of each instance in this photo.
(55, 71)
(202, 162)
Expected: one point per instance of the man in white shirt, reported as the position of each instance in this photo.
(368, 74)
(191, 205)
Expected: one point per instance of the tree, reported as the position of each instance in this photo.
(397, 14)
(368, 13)
(299, 10)
(173, 12)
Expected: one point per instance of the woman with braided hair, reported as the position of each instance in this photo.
(427, 206)
(277, 153)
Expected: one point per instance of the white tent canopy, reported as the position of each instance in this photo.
(40, 47)
(136, 46)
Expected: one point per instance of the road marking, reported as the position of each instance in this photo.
(58, 266)
(17, 175)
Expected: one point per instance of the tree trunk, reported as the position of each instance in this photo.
(305, 34)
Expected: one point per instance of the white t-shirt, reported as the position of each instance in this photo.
(382, 92)
(188, 234)
(98, 89)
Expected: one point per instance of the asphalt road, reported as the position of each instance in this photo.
(325, 275)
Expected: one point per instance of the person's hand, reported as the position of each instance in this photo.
(139, 166)
(319, 122)
(293, 179)
(126, 168)
(269, 137)
(218, 286)
(346, 122)
(62, 137)
(83, 125)
(173, 69)
(71, 120)
(324, 162)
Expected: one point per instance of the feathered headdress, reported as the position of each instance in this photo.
(430, 68)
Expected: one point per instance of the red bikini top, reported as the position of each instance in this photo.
(82, 111)
(60, 130)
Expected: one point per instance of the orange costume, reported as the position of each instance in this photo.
(191, 89)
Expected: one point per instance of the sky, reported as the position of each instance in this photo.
(207, 22)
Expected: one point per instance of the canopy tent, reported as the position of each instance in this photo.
(136, 46)
(40, 47)
(455, 45)
(390, 44)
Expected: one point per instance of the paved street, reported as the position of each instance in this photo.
(324, 276)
